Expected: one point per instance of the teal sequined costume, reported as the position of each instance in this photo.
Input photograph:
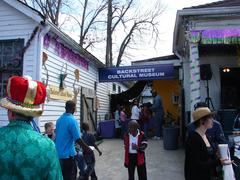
(26, 154)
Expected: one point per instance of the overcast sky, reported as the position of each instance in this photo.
(166, 28)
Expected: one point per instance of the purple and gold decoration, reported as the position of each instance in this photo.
(64, 52)
(216, 36)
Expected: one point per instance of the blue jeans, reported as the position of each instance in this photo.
(80, 162)
(159, 123)
(145, 128)
(90, 164)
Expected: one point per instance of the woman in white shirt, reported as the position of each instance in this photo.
(117, 122)
(135, 110)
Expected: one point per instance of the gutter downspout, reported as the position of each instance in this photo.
(44, 30)
(41, 34)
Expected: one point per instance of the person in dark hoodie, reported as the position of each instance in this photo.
(89, 158)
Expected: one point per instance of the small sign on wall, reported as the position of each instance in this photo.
(56, 93)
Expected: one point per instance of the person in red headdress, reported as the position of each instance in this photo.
(25, 153)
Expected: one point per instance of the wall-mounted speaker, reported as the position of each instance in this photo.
(205, 72)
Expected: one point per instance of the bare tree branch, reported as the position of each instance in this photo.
(49, 8)
(24, 1)
(92, 21)
(124, 44)
(113, 16)
(147, 23)
(82, 24)
(59, 3)
(123, 12)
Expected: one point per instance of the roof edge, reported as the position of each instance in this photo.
(74, 44)
(25, 9)
(199, 12)
(167, 57)
(206, 11)
(38, 17)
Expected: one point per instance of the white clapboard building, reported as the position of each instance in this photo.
(32, 46)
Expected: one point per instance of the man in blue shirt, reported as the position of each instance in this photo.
(158, 116)
(67, 134)
(215, 134)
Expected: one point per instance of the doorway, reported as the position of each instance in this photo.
(230, 87)
(88, 114)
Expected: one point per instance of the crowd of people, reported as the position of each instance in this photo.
(202, 159)
(136, 135)
(27, 154)
(150, 117)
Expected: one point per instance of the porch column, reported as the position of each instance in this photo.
(194, 75)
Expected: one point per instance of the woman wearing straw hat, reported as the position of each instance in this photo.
(200, 160)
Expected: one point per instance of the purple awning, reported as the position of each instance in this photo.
(216, 36)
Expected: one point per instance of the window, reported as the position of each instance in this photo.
(11, 62)
(114, 87)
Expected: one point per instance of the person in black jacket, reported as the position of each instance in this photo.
(214, 134)
(200, 159)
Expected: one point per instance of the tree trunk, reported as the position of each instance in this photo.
(83, 22)
(57, 12)
(109, 36)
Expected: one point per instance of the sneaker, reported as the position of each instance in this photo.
(81, 178)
